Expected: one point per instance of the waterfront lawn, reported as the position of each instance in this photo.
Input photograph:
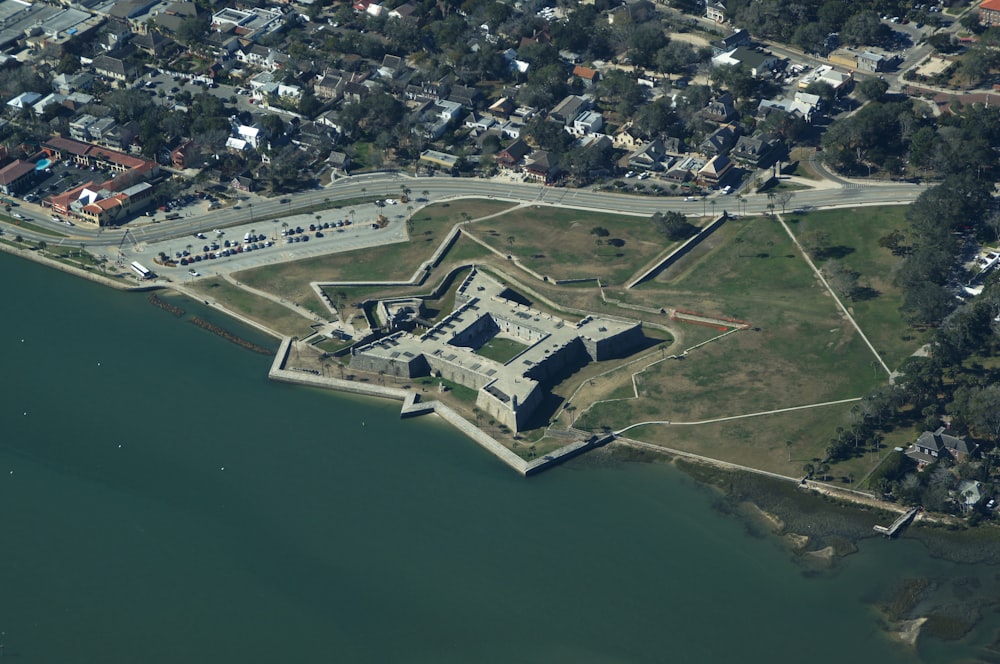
(799, 351)
(851, 236)
(763, 442)
(501, 350)
(558, 242)
(270, 314)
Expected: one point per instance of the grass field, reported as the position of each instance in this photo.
(501, 350)
(799, 351)
(558, 242)
(264, 311)
(851, 237)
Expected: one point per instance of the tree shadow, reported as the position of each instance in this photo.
(836, 252)
(864, 293)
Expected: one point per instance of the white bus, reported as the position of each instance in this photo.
(141, 271)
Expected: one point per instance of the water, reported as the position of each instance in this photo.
(164, 502)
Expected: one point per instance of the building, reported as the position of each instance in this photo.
(715, 11)
(757, 63)
(756, 151)
(513, 155)
(17, 176)
(569, 109)
(714, 172)
(989, 13)
(588, 122)
(542, 165)
(129, 182)
(649, 157)
(720, 141)
(728, 43)
(586, 74)
(931, 446)
(508, 392)
(871, 62)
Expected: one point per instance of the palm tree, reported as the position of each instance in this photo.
(809, 470)
(788, 446)
(425, 193)
(510, 241)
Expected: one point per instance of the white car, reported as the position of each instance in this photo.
(630, 174)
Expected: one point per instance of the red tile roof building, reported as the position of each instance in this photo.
(989, 13)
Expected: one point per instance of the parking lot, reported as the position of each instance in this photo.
(235, 248)
(164, 88)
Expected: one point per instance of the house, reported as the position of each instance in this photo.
(989, 13)
(339, 161)
(871, 62)
(502, 108)
(631, 11)
(242, 183)
(759, 64)
(406, 10)
(586, 74)
(969, 493)
(25, 100)
(721, 109)
(513, 154)
(179, 155)
(649, 157)
(70, 83)
(17, 176)
(541, 165)
(715, 11)
(116, 69)
(931, 446)
(756, 151)
(392, 66)
(329, 86)
(587, 122)
(569, 109)
(726, 44)
(712, 173)
(464, 95)
(720, 141)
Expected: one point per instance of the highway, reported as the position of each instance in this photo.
(388, 185)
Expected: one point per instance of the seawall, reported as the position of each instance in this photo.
(36, 256)
(411, 407)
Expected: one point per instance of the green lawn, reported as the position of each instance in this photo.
(851, 237)
(264, 311)
(559, 243)
(501, 350)
(799, 351)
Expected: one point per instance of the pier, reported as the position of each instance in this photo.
(898, 524)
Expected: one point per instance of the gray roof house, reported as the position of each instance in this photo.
(720, 141)
(931, 446)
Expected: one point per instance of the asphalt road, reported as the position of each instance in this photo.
(260, 210)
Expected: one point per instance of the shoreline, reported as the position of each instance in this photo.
(412, 405)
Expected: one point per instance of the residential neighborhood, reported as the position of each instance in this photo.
(282, 97)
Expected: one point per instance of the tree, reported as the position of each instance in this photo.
(783, 199)
(872, 89)
(673, 225)
(600, 231)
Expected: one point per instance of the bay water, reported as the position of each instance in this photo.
(162, 501)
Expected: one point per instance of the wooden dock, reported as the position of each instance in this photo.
(898, 524)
